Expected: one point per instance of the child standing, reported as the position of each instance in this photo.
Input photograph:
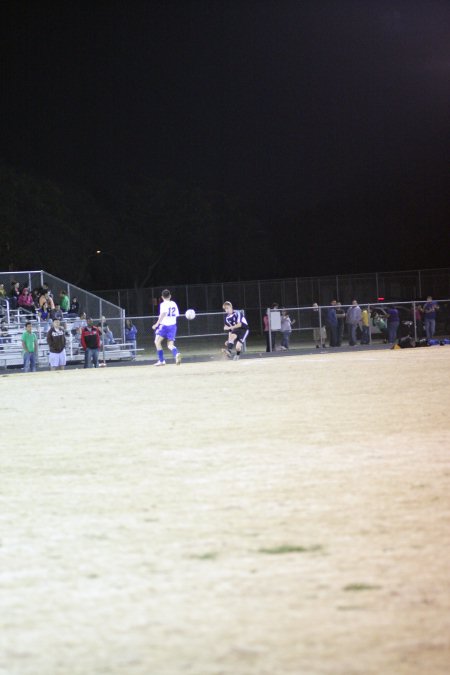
(30, 348)
(286, 329)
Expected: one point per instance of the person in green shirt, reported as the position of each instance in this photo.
(64, 301)
(30, 348)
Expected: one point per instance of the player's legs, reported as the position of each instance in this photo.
(174, 350)
(159, 350)
(240, 338)
(229, 344)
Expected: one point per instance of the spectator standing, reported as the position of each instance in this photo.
(286, 329)
(429, 312)
(393, 322)
(365, 326)
(30, 349)
(319, 331)
(353, 320)
(56, 341)
(130, 334)
(418, 318)
(332, 324)
(340, 315)
(2, 291)
(90, 341)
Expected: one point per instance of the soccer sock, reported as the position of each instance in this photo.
(160, 355)
(174, 352)
(230, 346)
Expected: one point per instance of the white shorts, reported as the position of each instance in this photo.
(56, 360)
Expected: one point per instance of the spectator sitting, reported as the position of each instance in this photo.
(46, 297)
(64, 301)
(44, 312)
(74, 308)
(78, 325)
(15, 294)
(56, 313)
(4, 334)
(108, 336)
(379, 321)
(25, 301)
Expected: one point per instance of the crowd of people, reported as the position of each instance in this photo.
(62, 320)
(40, 302)
(335, 322)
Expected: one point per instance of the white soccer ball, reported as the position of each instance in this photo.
(190, 314)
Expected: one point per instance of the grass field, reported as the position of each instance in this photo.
(274, 516)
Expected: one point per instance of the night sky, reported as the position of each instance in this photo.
(327, 120)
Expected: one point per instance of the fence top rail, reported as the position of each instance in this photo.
(337, 275)
(44, 273)
(155, 316)
(21, 272)
(364, 304)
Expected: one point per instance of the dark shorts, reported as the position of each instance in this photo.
(241, 334)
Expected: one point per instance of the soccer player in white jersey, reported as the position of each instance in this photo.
(166, 328)
(237, 327)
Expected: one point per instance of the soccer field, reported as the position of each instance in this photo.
(273, 516)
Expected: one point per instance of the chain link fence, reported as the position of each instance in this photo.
(256, 296)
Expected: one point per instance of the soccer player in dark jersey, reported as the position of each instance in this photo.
(237, 327)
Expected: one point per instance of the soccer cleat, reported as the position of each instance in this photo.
(227, 353)
(236, 357)
(160, 363)
(178, 359)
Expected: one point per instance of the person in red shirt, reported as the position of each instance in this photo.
(90, 341)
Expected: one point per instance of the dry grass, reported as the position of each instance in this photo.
(272, 516)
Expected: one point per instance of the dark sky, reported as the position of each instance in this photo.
(330, 117)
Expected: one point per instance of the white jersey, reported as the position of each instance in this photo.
(170, 308)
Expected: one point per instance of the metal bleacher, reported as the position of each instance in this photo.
(13, 325)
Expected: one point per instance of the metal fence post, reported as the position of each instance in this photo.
(269, 317)
(261, 322)
(320, 327)
(415, 322)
